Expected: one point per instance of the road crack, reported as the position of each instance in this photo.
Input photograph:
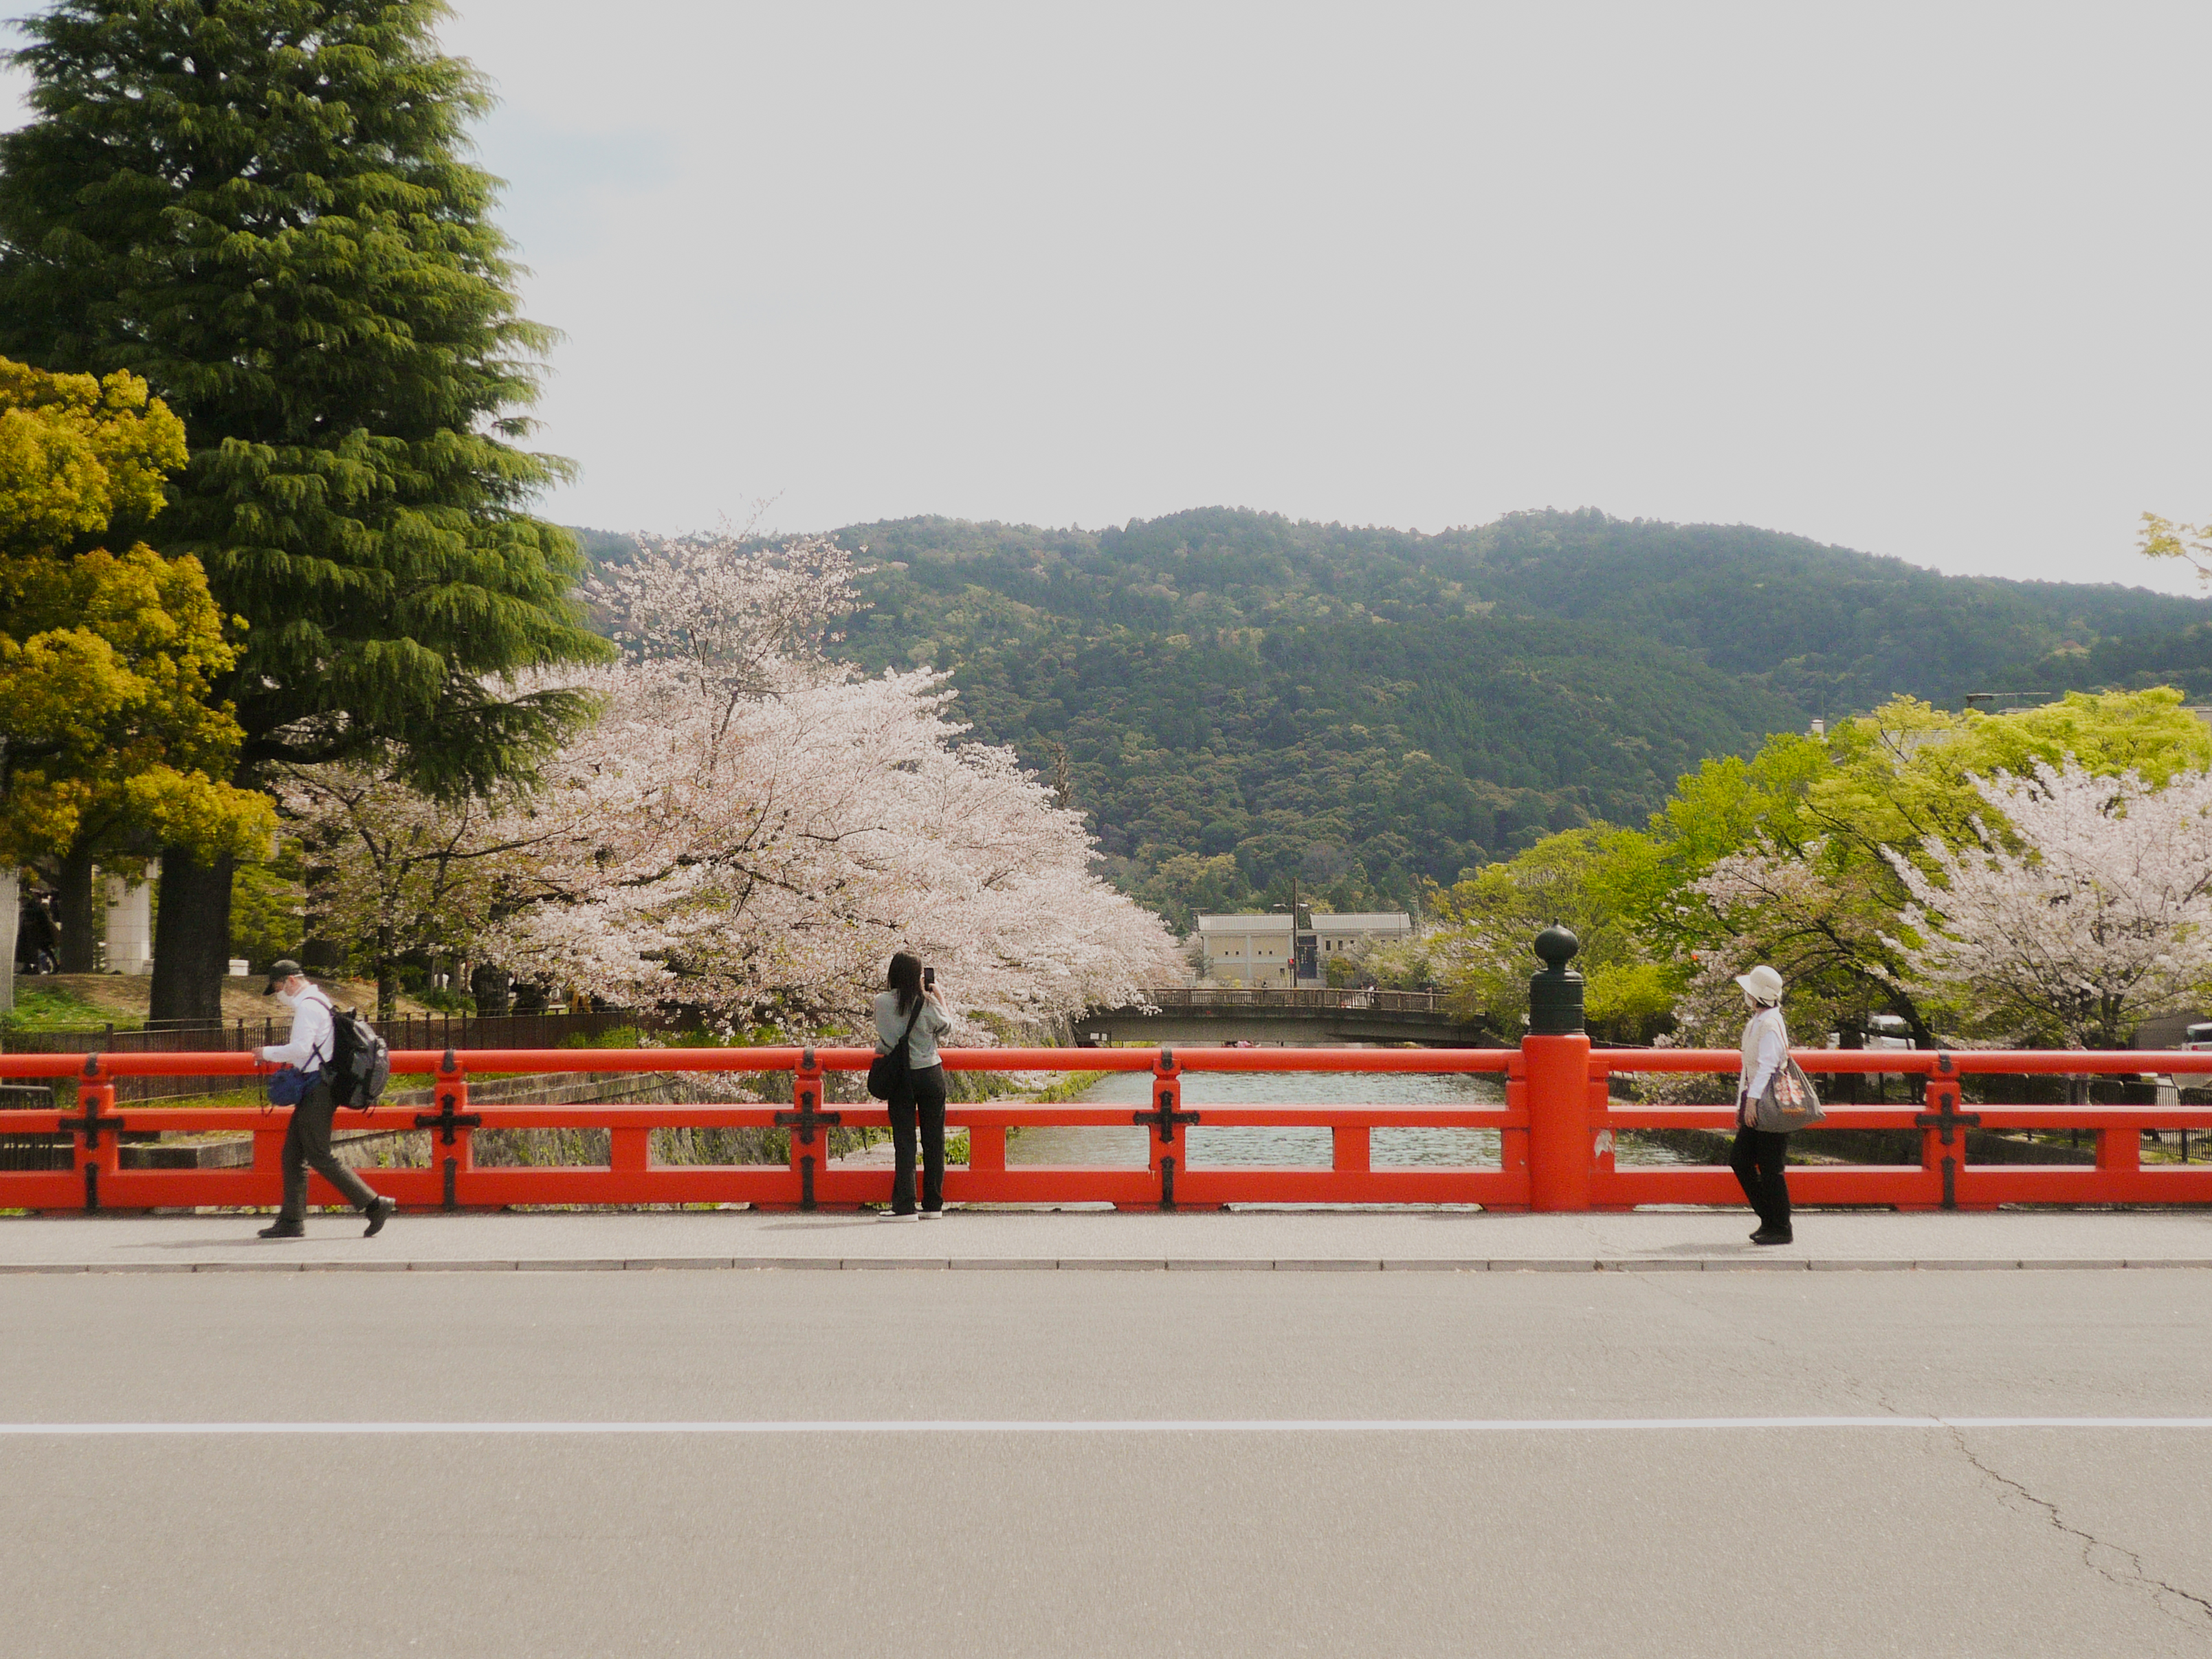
(2098, 1554)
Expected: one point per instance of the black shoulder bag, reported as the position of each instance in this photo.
(886, 1069)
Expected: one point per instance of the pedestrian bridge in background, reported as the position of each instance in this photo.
(1210, 1016)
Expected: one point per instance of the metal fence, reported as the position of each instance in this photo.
(243, 1036)
(1263, 997)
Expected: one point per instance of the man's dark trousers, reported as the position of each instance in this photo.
(1758, 1161)
(307, 1145)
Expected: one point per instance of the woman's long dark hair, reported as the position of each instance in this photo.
(906, 980)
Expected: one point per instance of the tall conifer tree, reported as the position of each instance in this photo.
(264, 208)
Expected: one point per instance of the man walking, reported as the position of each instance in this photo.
(307, 1142)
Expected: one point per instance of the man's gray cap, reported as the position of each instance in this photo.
(280, 971)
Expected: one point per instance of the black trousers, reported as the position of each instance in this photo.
(1758, 1161)
(921, 1096)
(308, 1145)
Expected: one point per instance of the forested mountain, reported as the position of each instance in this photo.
(1236, 698)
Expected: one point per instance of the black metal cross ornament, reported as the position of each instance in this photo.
(445, 1120)
(89, 1122)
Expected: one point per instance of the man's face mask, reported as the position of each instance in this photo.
(286, 998)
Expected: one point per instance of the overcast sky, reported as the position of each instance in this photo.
(1925, 279)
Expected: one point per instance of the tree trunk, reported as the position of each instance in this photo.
(492, 988)
(387, 982)
(80, 952)
(11, 914)
(192, 938)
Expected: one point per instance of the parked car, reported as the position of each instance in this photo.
(1888, 1031)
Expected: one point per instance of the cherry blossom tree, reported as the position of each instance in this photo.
(1822, 922)
(2081, 907)
(397, 873)
(750, 828)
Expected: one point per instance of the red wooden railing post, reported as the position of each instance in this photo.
(986, 1149)
(1165, 1121)
(452, 1147)
(1556, 1069)
(98, 1130)
(810, 1151)
(1350, 1149)
(1560, 1151)
(1943, 1131)
(2119, 1163)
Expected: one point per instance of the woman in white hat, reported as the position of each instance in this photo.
(1760, 1154)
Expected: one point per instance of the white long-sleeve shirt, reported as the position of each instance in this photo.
(1766, 1048)
(314, 1033)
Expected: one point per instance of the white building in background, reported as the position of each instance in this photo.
(1259, 950)
(1253, 949)
(130, 924)
(1339, 935)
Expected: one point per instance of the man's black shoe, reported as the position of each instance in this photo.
(380, 1212)
(284, 1229)
(1768, 1235)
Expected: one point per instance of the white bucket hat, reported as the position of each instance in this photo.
(1761, 984)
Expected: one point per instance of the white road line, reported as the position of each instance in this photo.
(1200, 1425)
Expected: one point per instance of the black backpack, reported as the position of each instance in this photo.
(362, 1064)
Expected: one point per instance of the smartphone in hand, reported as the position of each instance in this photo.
(929, 979)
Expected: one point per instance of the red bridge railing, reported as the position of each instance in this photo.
(1556, 1129)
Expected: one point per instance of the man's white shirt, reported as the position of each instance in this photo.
(310, 1045)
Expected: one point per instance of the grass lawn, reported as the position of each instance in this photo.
(44, 1006)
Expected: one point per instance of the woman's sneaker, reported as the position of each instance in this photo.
(932, 1215)
(895, 1215)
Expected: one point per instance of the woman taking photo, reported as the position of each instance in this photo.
(908, 1017)
(1759, 1154)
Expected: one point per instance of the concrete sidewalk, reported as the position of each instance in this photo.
(1285, 1240)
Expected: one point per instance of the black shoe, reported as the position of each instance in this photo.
(379, 1211)
(284, 1229)
(1770, 1236)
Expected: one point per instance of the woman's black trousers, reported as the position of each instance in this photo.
(922, 1094)
(1758, 1161)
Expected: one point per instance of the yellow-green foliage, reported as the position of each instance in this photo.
(1592, 880)
(107, 659)
(1880, 784)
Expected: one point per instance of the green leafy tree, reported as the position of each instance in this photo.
(109, 743)
(1591, 880)
(1786, 857)
(2191, 544)
(262, 207)
(1187, 885)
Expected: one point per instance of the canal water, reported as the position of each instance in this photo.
(1291, 1148)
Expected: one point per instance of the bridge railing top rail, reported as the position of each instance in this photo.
(1921, 1062)
(425, 1062)
(1603, 1062)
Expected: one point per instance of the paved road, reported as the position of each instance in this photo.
(1657, 1539)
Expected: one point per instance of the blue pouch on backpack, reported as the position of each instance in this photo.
(289, 1087)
